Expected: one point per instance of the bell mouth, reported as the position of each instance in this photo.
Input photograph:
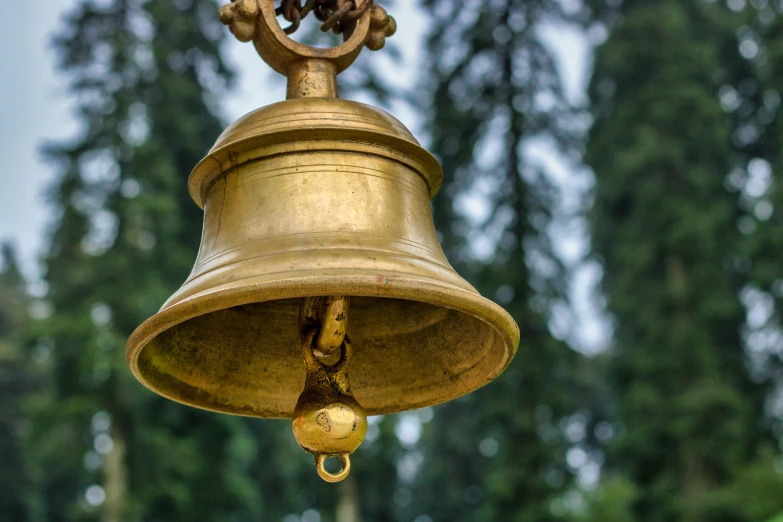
(237, 350)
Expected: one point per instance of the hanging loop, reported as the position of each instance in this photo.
(345, 461)
(363, 23)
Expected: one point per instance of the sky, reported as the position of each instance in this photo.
(32, 110)
(35, 109)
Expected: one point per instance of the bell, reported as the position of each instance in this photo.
(318, 196)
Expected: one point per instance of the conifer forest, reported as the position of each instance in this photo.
(665, 224)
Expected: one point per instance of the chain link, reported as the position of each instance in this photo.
(338, 16)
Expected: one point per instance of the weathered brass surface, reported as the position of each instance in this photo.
(330, 316)
(313, 197)
(327, 420)
(317, 196)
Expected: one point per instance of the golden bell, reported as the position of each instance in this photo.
(318, 196)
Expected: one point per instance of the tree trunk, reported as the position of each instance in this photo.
(115, 476)
(348, 505)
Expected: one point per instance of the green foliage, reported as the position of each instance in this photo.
(758, 488)
(757, 180)
(499, 453)
(665, 227)
(611, 502)
(15, 382)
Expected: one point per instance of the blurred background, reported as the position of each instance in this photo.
(613, 178)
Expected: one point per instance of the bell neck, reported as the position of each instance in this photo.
(312, 78)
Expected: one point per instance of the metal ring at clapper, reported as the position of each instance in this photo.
(320, 460)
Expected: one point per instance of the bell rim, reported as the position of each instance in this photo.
(381, 286)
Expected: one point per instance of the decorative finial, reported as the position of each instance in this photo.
(240, 17)
(382, 26)
(311, 71)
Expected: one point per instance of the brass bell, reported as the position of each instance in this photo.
(318, 196)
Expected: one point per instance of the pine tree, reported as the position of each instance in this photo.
(16, 381)
(145, 76)
(499, 453)
(666, 229)
(758, 178)
(753, 101)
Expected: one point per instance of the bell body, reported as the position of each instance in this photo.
(312, 197)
